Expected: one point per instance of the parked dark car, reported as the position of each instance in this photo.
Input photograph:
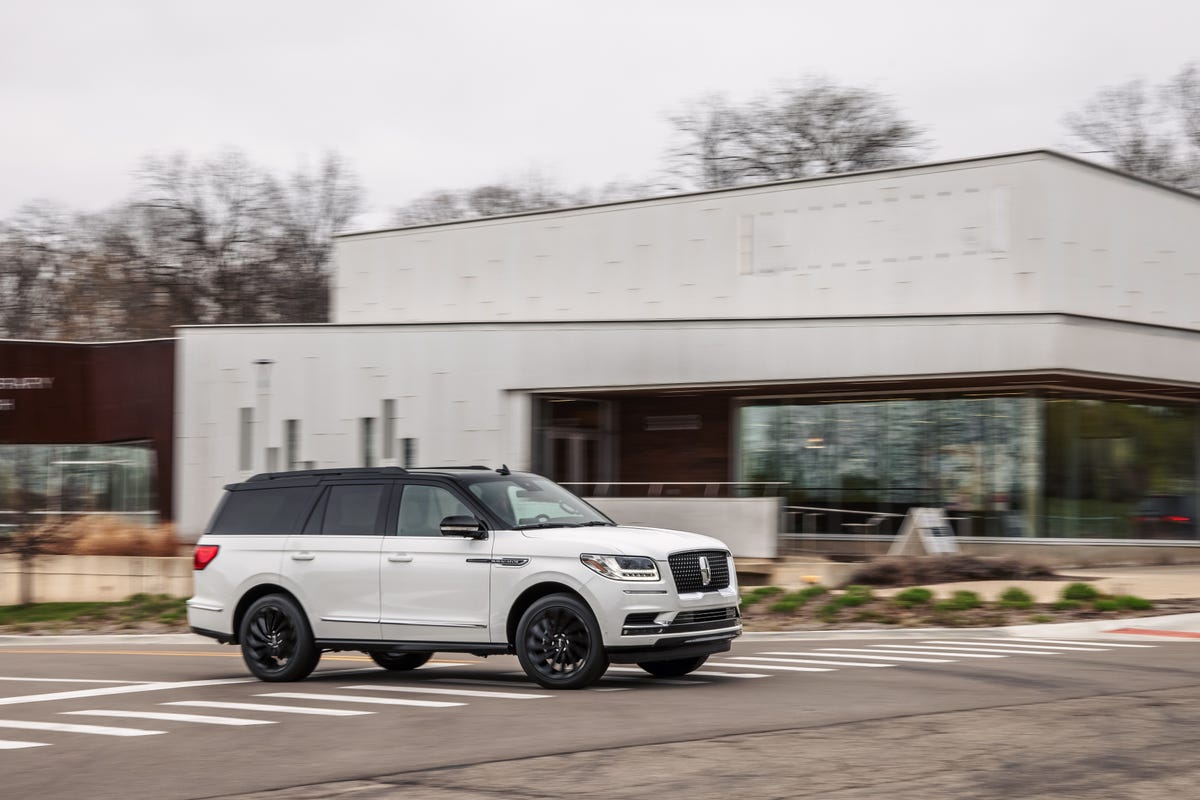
(1165, 516)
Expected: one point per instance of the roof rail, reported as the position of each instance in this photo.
(434, 469)
(326, 473)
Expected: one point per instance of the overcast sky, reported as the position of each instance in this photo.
(448, 94)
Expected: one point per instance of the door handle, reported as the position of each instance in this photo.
(400, 557)
(303, 556)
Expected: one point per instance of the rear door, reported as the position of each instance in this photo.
(434, 588)
(333, 566)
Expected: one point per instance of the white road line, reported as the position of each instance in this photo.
(1035, 647)
(324, 712)
(64, 727)
(983, 647)
(965, 649)
(1104, 643)
(167, 717)
(707, 672)
(806, 660)
(111, 690)
(858, 654)
(917, 650)
(458, 692)
(354, 698)
(68, 680)
(681, 681)
(782, 668)
(484, 682)
(8, 744)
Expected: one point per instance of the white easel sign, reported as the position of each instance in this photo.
(930, 528)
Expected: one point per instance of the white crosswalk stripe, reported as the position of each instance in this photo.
(1036, 648)
(782, 668)
(355, 698)
(169, 717)
(8, 744)
(1104, 643)
(963, 649)
(806, 660)
(455, 692)
(324, 712)
(64, 727)
(708, 672)
(873, 655)
(900, 650)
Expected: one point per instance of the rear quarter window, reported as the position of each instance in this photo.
(264, 511)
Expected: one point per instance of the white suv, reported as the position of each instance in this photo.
(404, 563)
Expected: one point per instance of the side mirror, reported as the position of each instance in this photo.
(464, 525)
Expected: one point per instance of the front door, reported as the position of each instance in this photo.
(434, 588)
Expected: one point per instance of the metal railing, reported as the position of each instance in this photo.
(677, 488)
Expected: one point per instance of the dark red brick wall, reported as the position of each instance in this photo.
(100, 394)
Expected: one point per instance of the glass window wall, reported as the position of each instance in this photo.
(1002, 465)
(77, 479)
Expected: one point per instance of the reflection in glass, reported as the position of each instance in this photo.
(1002, 465)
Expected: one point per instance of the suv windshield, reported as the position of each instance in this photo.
(530, 501)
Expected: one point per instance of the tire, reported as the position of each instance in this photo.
(673, 669)
(397, 661)
(559, 643)
(277, 643)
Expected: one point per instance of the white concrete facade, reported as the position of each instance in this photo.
(1031, 232)
(1024, 264)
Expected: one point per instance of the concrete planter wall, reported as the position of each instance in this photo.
(95, 578)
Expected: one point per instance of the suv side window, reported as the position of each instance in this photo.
(354, 509)
(270, 510)
(422, 509)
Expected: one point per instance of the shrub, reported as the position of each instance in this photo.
(945, 569)
(855, 596)
(785, 606)
(1066, 605)
(916, 596)
(1040, 618)
(1016, 597)
(809, 592)
(753, 596)
(1080, 591)
(1106, 604)
(1133, 602)
(961, 601)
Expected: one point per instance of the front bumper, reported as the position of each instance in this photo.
(671, 649)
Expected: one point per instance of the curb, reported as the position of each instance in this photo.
(104, 638)
(1168, 624)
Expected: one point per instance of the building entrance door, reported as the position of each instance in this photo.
(573, 441)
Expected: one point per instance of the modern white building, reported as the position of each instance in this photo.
(1015, 338)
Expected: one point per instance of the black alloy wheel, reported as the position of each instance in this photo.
(277, 644)
(398, 661)
(559, 643)
(674, 668)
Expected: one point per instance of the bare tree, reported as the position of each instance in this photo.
(1148, 131)
(35, 253)
(813, 128)
(532, 192)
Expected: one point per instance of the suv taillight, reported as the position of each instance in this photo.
(204, 555)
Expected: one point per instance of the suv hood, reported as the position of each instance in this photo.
(628, 540)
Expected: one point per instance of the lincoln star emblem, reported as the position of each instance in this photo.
(705, 571)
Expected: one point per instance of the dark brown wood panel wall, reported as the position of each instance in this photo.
(675, 455)
(59, 393)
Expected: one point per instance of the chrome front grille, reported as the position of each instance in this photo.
(686, 569)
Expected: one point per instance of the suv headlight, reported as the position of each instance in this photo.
(622, 568)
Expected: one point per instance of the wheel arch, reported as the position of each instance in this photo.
(247, 599)
(531, 596)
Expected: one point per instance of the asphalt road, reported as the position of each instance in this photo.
(942, 716)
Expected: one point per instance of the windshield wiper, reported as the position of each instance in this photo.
(594, 523)
(534, 525)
